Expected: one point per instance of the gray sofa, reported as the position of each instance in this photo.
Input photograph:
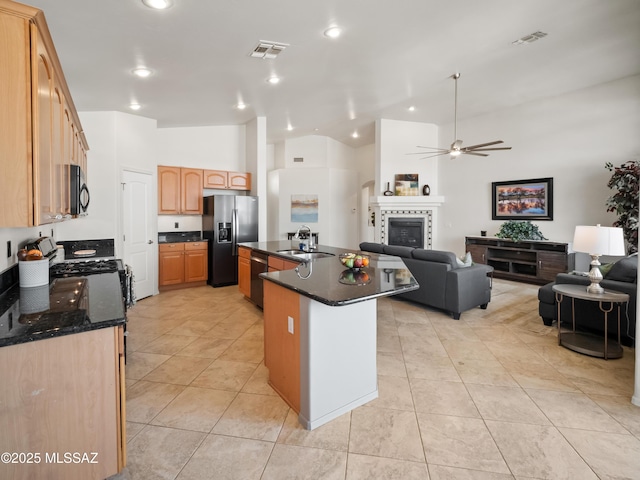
(443, 283)
(622, 277)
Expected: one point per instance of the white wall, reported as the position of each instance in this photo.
(256, 164)
(569, 138)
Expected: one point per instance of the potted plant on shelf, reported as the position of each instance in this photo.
(519, 230)
(625, 201)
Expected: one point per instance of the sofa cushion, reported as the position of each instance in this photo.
(438, 256)
(372, 247)
(398, 250)
(625, 270)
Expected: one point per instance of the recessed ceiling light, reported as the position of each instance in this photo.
(158, 4)
(289, 127)
(135, 106)
(241, 106)
(273, 80)
(333, 32)
(355, 135)
(142, 72)
(412, 108)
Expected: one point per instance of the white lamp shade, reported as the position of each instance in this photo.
(597, 240)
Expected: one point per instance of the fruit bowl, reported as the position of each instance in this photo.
(354, 277)
(354, 261)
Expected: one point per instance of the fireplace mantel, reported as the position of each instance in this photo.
(407, 202)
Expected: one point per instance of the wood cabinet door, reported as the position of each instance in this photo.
(195, 262)
(42, 95)
(244, 276)
(169, 190)
(214, 179)
(171, 267)
(191, 191)
(478, 253)
(550, 264)
(57, 150)
(67, 156)
(239, 180)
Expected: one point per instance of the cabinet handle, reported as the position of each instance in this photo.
(539, 263)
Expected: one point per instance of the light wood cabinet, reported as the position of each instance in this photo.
(33, 98)
(277, 264)
(227, 180)
(65, 394)
(183, 264)
(244, 271)
(179, 191)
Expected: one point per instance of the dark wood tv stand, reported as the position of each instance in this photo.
(527, 261)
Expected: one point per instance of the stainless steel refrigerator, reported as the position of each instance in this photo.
(227, 221)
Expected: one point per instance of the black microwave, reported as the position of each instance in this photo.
(78, 191)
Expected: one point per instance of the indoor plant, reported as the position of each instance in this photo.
(625, 201)
(519, 230)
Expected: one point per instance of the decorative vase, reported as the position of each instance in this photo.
(387, 192)
(426, 190)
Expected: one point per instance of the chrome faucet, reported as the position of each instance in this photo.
(308, 244)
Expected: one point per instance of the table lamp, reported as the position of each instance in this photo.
(597, 241)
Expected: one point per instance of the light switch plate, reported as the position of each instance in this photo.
(290, 324)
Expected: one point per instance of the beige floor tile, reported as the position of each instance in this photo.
(389, 344)
(431, 367)
(441, 472)
(205, 347)
(249, 350)
(415, 345)
(385, 433)
(289, 462)
(393, 392)
(253, 416)
(610, 455)
(140, 364)
(484, 372)
(441, 397)
(507, 404)
(139, 339)
(574, 410)
(167, 344)
(333, 435)
(146, 399)
(160, 453)
(196, 409)
(133, 429)
(538, 451)
(459, 442)
(543, 377)
(225, 375)
(259, 382)
(468, 352)
(497, 333)
(391, 364)
(621, 408)
(507, 353)
(179, 370)
(228, 330)
(365, 467)
(453, 330)
(193, 328)
(227, 458)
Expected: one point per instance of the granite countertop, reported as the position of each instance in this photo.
(65, 306)
(179, 237)
(327, 281)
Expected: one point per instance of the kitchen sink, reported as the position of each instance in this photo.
(306, 255)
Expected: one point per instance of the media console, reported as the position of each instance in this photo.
(527, 261)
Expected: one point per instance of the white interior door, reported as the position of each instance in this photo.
(138, 231)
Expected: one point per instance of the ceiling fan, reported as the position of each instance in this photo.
(456, 148)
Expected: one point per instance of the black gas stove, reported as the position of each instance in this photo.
(89, 267)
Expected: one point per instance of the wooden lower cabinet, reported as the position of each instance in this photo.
(277, 264)
(244, 271)
(282, 329)
(183, 264)
(60, 396)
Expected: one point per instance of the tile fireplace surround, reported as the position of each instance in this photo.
(425, 207)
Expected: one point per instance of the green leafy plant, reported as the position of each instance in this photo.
(519, 230)
(625, 201)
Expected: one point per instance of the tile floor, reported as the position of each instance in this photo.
(491, 396)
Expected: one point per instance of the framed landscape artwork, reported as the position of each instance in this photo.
(304, 208)
(407, 184)
(522, 199)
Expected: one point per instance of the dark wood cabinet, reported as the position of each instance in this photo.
(527, 261)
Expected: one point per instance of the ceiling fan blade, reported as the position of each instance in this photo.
(435, 155)
(472, 147)
(433, 148)
(477, 154)
(486, 149)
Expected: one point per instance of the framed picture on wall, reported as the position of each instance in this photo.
(522, 199)
(304, 208)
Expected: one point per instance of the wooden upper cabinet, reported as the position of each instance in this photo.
(35, 101)
(179, 191)
(227, 180)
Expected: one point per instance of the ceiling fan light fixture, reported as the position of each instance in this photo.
(142, 72)
(158, 4)
(273, 80)
(333, 32)
(135, 106)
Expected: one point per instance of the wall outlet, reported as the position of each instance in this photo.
(176, 225)
(290, 324)
(8, 248)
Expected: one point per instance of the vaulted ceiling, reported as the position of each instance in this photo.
(390, 56)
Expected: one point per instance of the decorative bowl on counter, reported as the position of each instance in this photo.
(354, 261)
(354, 277)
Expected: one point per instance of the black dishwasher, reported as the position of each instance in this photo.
(258, 266)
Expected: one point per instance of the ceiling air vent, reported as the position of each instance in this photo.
(268, 50)
(529, 38)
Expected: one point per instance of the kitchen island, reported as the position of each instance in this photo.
(320, 323)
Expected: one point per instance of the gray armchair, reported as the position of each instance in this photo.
(443, 283)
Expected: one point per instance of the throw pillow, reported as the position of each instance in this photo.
(465, 260)
(604, 269)
(625, 270)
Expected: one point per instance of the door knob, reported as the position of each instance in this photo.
(149, 242)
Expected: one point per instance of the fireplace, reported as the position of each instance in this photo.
(406, 231)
